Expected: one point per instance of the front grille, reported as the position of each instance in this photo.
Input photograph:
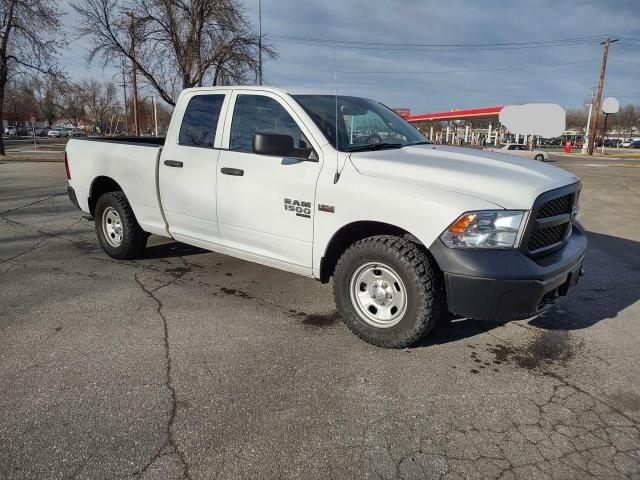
(550, 221)
(545, 237)
(555, 206)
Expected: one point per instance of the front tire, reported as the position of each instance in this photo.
(388, 291)
(118, 231)
(539, 157)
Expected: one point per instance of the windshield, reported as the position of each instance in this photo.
(362, 123)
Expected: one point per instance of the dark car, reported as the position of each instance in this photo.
(635, 144)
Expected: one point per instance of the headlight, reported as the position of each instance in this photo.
(484, 229)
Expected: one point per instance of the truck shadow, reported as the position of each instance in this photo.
(611, 284)
(170, 250)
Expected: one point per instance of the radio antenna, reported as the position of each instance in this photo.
(336, 177)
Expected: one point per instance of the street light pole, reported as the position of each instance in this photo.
(259, 42)
(155, 116)
(585, 143)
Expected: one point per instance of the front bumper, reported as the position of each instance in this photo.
(506, 284)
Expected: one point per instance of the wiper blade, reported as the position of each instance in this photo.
(417, 143)
(374, 146)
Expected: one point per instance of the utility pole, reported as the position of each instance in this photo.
(124, 87)
(259, 42)
(134, 80)
(598, 104)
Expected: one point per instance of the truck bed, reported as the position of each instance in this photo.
(132, 162)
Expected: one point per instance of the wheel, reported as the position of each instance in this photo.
(539, 157)
(118, 231)
(387, 291)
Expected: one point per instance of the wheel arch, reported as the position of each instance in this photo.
(100, 186)
(352, 232)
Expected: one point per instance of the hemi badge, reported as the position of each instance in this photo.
(326, 208)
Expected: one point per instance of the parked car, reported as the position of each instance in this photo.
(25, 131)
(10, 131)
(520, 150)
(627, 142)
(407, 229)
(54, 132)
(635, 144)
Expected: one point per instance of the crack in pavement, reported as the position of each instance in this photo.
(570, 433)
(32, 203)
(169, 442)
(48, 236)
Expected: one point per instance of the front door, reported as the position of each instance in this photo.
(188, 166)
(265, 203)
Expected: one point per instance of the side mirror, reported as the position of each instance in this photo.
(274, 144)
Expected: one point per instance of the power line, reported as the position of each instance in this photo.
(435, 47)
(615, 60)
(435, 72)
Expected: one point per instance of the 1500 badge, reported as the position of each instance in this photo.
(302, 209)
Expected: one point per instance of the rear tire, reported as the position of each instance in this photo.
(118, 231)
(388, 291)
(539, 157)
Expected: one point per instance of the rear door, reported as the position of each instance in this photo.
(265, 203)
(187, 170)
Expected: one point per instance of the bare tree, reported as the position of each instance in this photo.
(577, 118)
(28, 40)
(628, 120)
(71, 102)
(43, 90)
(179, 43)
(102, 102)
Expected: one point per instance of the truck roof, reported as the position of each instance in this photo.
(265, 88)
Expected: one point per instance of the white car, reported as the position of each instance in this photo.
(520, 150)
(406, 229)
(10, 131)
(54, 132)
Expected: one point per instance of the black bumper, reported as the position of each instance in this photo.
(507, 284)
(72, 196)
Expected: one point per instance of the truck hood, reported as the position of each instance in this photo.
(508, 181)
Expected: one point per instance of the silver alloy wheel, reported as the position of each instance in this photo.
(378, 294)
(112, 226)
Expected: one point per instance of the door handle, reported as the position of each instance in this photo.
(236, 172)
(173, 163)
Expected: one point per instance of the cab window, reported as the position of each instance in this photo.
(200, 121)
(257, 113)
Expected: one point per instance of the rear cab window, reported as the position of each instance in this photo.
(200, 121)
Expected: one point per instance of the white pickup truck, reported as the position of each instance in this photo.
(344, 188)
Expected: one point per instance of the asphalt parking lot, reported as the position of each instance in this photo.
(190, 364)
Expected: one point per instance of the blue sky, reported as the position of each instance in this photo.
(441, 80)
